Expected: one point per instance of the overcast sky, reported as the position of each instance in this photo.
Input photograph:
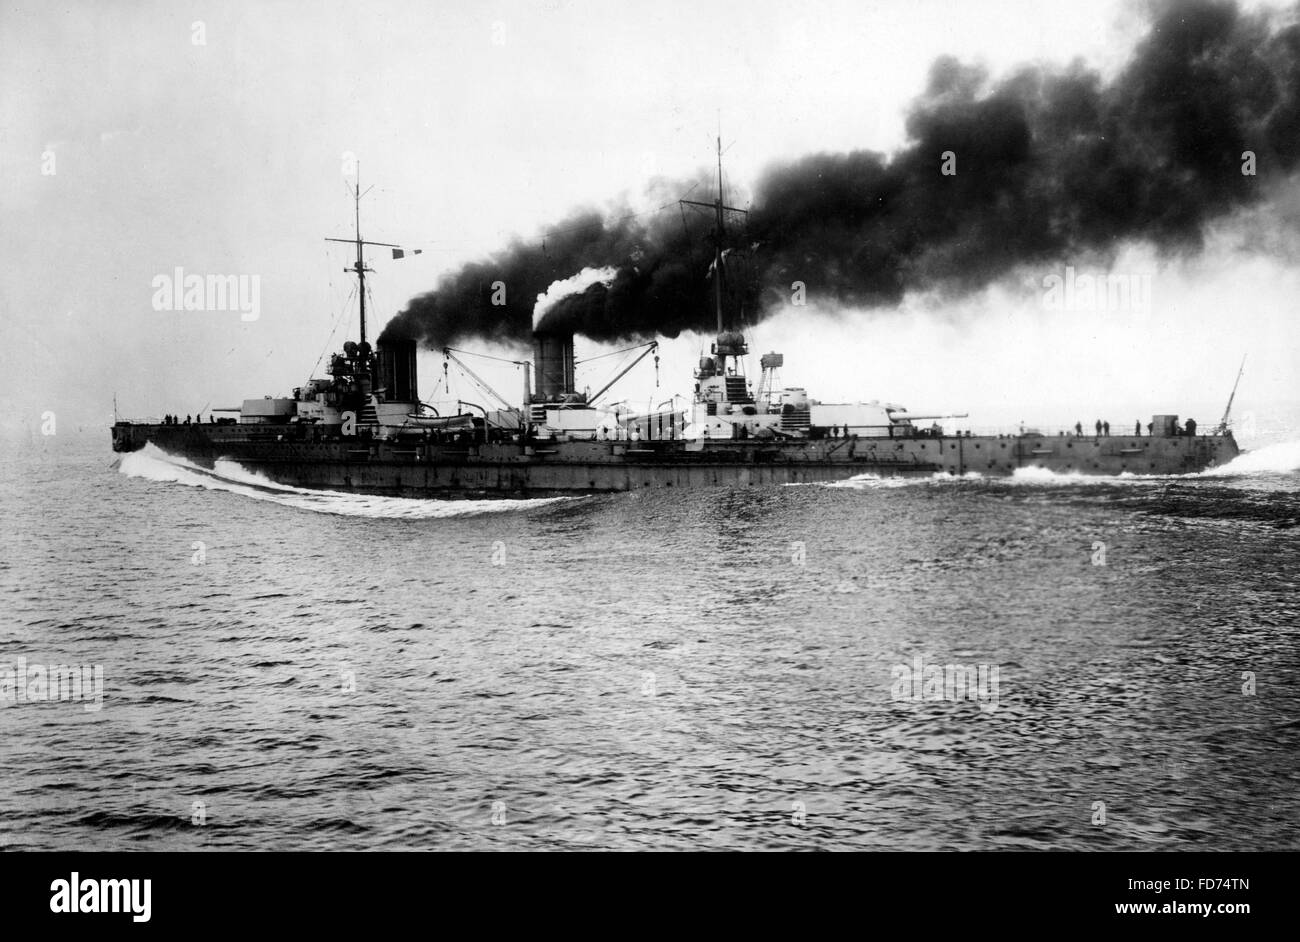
(476, 121)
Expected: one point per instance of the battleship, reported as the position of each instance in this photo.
(364, 428)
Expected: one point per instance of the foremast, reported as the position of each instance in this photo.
(356, 365)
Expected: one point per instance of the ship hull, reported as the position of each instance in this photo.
(320, 459)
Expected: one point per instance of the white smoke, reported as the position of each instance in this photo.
(575, 284)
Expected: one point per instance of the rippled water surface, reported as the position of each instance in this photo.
(704, 669)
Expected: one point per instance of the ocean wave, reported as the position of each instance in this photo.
(153, 464)
(1281, 458)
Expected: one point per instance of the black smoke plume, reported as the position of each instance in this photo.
(1050, 162)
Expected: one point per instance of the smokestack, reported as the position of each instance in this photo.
(554, 325)
(553, 362)
(397, 372)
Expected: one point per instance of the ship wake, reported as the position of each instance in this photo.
(1269, 462)
(153, 464)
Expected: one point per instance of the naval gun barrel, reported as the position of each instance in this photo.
(910, 417)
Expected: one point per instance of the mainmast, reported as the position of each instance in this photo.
(717, 242)
(720, 378)
(720, 209)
